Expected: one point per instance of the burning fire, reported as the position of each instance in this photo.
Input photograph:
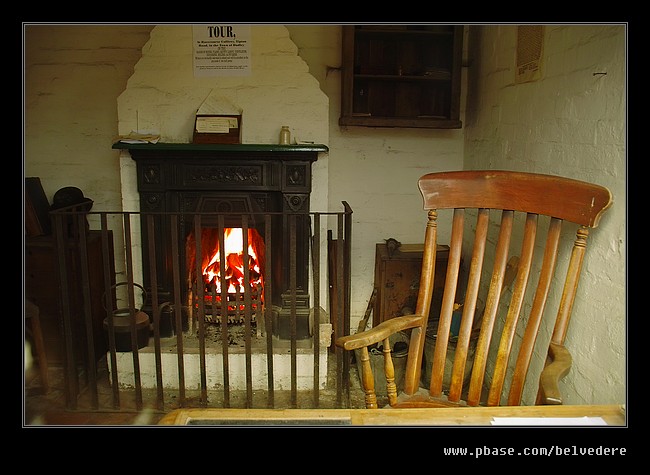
(233, 262)
(234, 251)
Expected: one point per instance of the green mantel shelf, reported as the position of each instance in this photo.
(222, 147)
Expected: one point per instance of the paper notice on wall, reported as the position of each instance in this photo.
(530, 47)
(221, 50)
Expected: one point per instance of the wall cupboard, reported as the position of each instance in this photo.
(401, 76)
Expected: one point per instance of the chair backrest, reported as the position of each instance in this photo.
(506, 210)
(506, 228)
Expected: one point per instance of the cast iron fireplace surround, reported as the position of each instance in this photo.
(234, 180)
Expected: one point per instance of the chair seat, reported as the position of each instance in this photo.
(421, 398)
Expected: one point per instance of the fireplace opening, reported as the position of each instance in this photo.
(230, 274)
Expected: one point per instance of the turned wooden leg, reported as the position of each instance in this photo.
(368, 380)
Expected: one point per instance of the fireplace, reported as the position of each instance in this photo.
(229, 195)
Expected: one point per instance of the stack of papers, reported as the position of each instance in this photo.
(135, 137)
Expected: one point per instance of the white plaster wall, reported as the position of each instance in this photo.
(571, 122)
(72, 77)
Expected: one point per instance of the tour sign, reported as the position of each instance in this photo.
(221, 50)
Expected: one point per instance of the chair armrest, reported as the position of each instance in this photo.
(558, 366)
(380, 332)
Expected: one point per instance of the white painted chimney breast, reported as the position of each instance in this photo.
(163, 96)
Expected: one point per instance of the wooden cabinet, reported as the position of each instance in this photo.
(42, 288)
(397, 280)
(401, 76)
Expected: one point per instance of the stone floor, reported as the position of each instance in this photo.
(50, 409)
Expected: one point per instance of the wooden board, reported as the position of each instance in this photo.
(227, 135)
(397, 278)
(611, 414)
(37, 208)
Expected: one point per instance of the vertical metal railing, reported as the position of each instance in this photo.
(346, 269)
(72, 250)
(292, 314)
(107, 302)
(342, 393)
(200, 298)
(70, 380)
(224, 321)
(315, 261)
(268, 314)
(130, 289)
(156, 307)
(248, 309)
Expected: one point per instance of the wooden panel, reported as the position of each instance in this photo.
(42, 288)
(613, 415)
(397, 279)
(233, 136)
(37, 220)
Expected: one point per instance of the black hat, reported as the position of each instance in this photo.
(69, 196)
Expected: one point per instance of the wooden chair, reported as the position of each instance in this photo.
(513, 211)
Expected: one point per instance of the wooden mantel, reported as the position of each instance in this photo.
(317, 148)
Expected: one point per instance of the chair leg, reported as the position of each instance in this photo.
(32, 316)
